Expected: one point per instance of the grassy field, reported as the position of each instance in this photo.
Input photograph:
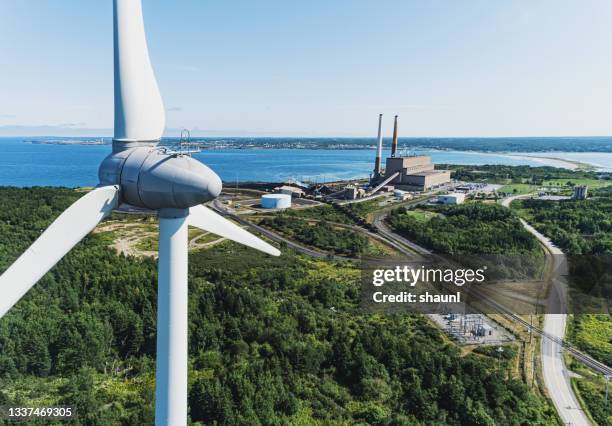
(590, 389)
(148, 244)
(565, 184)
(518, 188)
(421, 215)
(194, 232)
(593, 333)
(591, 183)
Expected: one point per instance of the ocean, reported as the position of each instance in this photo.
(23, 163)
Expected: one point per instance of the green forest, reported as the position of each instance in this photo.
(320, 235)
(349, 214)
(497, 173)
(472, 228)
(272, 341)
(577, 226)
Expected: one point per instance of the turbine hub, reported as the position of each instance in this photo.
(155, 179)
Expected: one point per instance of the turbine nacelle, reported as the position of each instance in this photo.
(155, 179)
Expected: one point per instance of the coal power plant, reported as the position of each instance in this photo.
(410, 173)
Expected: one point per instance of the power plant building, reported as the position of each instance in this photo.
(415, 173)
(290, 190)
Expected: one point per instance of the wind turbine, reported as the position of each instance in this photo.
(140, 174)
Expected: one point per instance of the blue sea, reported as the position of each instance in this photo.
(23, 163)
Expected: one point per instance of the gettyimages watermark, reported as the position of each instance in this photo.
(487, 284)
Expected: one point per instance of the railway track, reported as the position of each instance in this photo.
(585, 359)
(381, 227)
(590, 362)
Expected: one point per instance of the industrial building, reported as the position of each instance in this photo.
(415, 173)
(353, 192)
(290, 190)
(454, 198)
(276, 201)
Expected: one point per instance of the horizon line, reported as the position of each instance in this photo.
(103, 133)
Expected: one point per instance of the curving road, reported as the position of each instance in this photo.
(555, 372)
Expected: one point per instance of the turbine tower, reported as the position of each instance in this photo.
(140, 173)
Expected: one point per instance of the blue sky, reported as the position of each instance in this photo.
(319, 68)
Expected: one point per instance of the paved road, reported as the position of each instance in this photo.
(555, 372)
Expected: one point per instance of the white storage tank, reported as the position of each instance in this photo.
(276, 201)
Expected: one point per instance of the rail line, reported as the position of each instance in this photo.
(590, 362)
(585, 359)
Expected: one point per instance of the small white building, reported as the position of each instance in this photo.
(454, 198)
(276, 201)
(401, 195)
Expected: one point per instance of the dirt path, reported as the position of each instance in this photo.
(128, 236)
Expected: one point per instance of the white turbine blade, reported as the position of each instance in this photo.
(208, 220)
(139, 111)
(57, 240)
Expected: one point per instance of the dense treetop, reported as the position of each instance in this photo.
(473, 228)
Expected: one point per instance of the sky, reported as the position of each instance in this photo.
(318, 67)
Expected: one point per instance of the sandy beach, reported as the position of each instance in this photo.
(555, 161)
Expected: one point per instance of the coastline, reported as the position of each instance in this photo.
(547, 160)
(76, 164)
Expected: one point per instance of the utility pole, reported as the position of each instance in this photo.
(530, 328)
(500, 350)
(533, 367)
(607, 376)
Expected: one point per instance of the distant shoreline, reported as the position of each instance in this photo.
(557, 162)
(326, 144)
(541, 147)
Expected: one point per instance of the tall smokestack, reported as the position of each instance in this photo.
(379, 149)
(394, 145)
